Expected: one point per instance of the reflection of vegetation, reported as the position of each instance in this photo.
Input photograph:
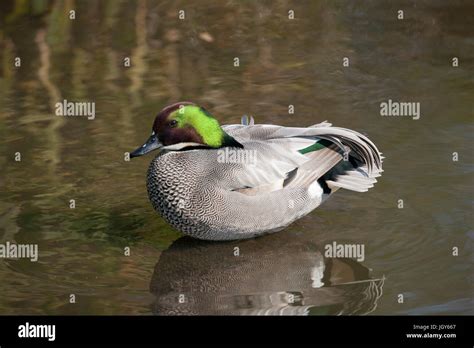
(139, 66)
(55, 96)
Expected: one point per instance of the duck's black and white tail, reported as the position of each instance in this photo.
(341, 158)
(361, 164)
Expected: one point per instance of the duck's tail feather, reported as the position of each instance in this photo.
(360, 147)
(355, 179)
(348, 160)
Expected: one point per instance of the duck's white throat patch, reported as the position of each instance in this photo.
(315, 190)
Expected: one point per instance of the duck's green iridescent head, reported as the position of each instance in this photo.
(184, 126)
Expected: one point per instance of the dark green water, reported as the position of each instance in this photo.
(282, 62)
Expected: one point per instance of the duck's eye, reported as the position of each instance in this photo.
(173, 123)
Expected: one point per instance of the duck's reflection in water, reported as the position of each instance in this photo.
(279, 274)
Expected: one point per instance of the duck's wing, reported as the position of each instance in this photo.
(356, 142)
(296, 157)
(270, 164)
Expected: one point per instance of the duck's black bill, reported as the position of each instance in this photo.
(151, 144)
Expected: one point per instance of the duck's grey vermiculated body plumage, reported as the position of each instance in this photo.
(207, 198)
